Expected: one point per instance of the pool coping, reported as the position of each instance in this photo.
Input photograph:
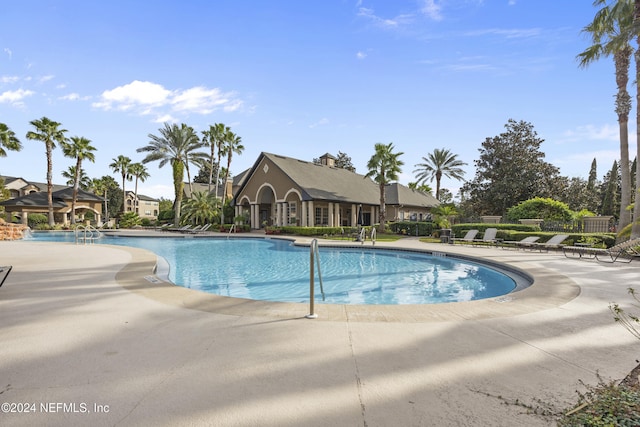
(549, 290)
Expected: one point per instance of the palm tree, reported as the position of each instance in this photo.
(139, 171)
(8, 140)
(173, 146)
(233, 144)
(625, 16)
(122, 165)
(605, 31)
(438, 164)
(384, 167)
(214, 138)
(201, 208)
(79, 148)
(83, 178)
(49, 132)
(425, 188)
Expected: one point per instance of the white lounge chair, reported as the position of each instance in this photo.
(488, 238)
(468, 237)
(554, 242)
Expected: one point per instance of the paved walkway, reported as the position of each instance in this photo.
(90, 337)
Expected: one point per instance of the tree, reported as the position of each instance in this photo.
(384, 167)
(438, 164)
(8, 140)
(425, 188)
(49, 132)
(610, 192)
(605, 31)
(538, 207)
(201, 208)
(343, 161)
(140, 173)
(233, 144)
(172, 146)
(205, 172)
(122, 165)
(70, 175)
(78, 148)
(511, 169)
(214, 138)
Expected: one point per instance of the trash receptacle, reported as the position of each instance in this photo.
(445, 235)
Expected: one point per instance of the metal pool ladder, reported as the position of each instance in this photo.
(86, 234)
(231, 230)
(314, 258)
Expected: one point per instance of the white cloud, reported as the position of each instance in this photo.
(361, 55)
(8, 52)
(74, 97)
(507, 33)
(384, 22)
(431, 10)
(44, 79)
(606, 132)
(9, 79)
(321, 122)
(133, 94)
(147, 98)
(15, 97)
(203, 101)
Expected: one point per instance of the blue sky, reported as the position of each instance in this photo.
(301, 78)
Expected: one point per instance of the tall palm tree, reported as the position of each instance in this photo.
(384, 167)
(619, 12)
(438, 164)
(122, 165)
(173, 146)
(140, 173)
(233, 144)
(49, 132)
(214, 138)
(8, 140)
(79, 148)
(606, 30)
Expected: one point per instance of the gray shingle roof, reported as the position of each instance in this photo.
(321, 182)
(39, 198)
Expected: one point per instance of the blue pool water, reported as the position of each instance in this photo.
(276, 270)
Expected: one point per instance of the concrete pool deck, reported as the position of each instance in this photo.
(91, 337)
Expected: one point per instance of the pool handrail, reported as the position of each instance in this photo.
(314, 258)
(89, 233)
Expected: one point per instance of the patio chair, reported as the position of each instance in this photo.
(489, 237)
(468, 238)
(524, 243)
(554, 242)
(623, 252)
(200, 229)
(4, 272)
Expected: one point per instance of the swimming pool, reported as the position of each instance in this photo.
(278, 270)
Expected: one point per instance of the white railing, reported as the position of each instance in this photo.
(314, 260)
(231, 230)
(373, 235)
(86, 234)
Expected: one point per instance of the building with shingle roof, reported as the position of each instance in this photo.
(37, 202)
(281, 190)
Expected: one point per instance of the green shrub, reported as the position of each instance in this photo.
(129, 220)
(35, 220)
(538, 207)
(606, 404)
(412, 228)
